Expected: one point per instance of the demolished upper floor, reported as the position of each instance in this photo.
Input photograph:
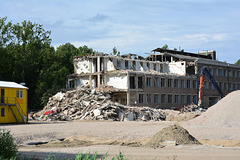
(161, 61)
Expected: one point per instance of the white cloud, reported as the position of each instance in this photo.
(204, 38)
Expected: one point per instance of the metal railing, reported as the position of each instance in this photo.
(7, 100)
(12, 101)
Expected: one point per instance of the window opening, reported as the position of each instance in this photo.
(156, 98)
(132, 82)
(140, 98)
(2, 112)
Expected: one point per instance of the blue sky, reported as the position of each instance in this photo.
(136, 26)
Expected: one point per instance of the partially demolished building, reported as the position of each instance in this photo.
(164, 79)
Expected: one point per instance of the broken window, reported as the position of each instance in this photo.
(118, 63)
(126, 64)
(170, 99)
(163, 98)
(134, 65)
(176, 85)
(189, 99)
(170, 83)
(101, 64)
(149, 98)
(156, 82)
(163, 82)
(141, 66)
(123, 101)
(182, 83)
(183, 99)
(161, 68)
(149, 81)
(154, 67)
(188, 83)
(168, 58)
(101, 80)
(140, 98)
(132, 82)
(190, 70)
(176, 99)
(156, 98)
(148, 65)
(95, 66)
(140, 82)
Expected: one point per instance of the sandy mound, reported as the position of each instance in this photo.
(226, 113)
(172, 133)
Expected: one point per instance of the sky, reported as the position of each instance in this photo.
(136, 26)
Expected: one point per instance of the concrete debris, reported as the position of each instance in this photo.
(192, 108)
(90, 104)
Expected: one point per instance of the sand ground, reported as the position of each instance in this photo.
(127, 137)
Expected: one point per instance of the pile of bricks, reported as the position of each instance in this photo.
(91, 104)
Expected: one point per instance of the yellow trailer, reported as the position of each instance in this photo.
(13, 102)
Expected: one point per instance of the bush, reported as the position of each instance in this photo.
(8, 148)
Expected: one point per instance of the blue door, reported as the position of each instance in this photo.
(2, 95)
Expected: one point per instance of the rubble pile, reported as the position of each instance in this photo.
(191, 108)
(91, 104)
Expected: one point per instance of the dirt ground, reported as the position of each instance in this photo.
(69, 138)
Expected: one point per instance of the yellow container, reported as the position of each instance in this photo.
(13, 103)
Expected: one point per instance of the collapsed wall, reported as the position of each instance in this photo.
(91, 104)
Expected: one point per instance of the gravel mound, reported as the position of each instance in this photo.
(172, 133)
(226, 113)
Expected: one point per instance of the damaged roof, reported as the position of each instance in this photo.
(161, 50)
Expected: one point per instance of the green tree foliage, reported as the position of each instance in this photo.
(84, 50)
(238, 62)
(27, 56)
(115, 52)
(165, 46)
(53, 75)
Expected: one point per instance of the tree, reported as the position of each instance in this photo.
(23, 48)
(238, 62)
(53, 77)
(6, 58)
(84, 50)
(27, 56)
(165, 46)
(115, 52)
(5, 32)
